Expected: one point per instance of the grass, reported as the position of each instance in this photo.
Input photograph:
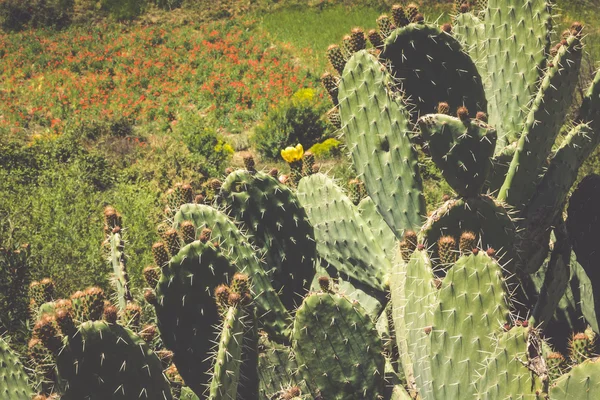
(312, 30)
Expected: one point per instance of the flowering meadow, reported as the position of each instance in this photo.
(225, 70)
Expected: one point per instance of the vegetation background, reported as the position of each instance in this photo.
(114, 101)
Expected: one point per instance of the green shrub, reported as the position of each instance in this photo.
(293, 121)
(210, 151)
(19, 14)
(123, 9)
(327, 149)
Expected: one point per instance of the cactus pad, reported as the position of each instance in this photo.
(338, 348)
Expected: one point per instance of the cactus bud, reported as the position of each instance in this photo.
(152, 275)
(412, 11)
(150, 296)
(249, 163)
(385, 25)
(133, 315)
(411, 239)
(172, 238)
(188, 232)
(576, 28)
(205, 235)
(148, 333)
(234, 299)
(329, 83)
(467, 242)
(447, 28)
(161, 256)
(481, 116)
(336, 58)
(462, 113)
(222, 293)
(375, 39)
(199, 199)
(111, 314)
(464, 8)
(45, 331)
(447, 250)
(490, 252)
(324, 283)
(291, 393)
(420, 247)
(399, 16)
(64, 320)
(357, 40)
(240, 283)
(443, 108)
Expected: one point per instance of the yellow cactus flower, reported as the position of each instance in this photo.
(292, 154)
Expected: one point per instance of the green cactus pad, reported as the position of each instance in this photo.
(381, 231)
(378, 139)
(107, 361)
(481, 215)
(556, 281)
(473, 303)
(277, 369)
(272, 314)
(13, 379)
(583, 226)
(278, 226)
(507, 372)
(470, 32)
(461, 150)
(553, 190)
(338, 348)
(581, 383)
(373, 301)
(186, 308)
(397, 307)
(343, 237)
(118, 262)
(432, 67)
(226, 372)
(517, 40)
(399, 393)
(544, 121)
(418, 310)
